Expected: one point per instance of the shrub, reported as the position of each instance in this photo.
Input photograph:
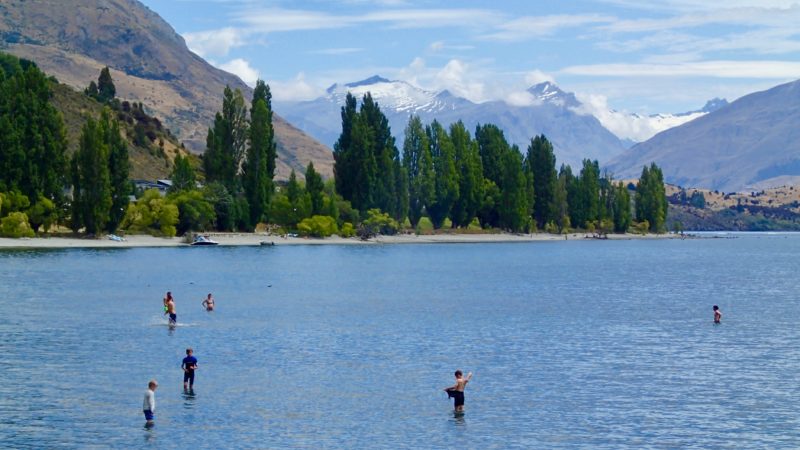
(380, 223)
(317, 226)
(151, 214)
(15, 225)
(347, 230)
(424, 226)
(475, 225)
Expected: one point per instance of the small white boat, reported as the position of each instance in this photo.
(203, 240)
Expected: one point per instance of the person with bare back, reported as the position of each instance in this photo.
(456, 391)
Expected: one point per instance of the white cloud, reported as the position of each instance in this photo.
(242, 69)
(294, 90)
(455, 76)
(214, 42)
(536, 76)
(530, 27)
(279, 19)
(715, 69)
(521, 98)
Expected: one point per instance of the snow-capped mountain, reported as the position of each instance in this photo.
(398, 96)
(633, 128)
(549, 93)
(548, 110)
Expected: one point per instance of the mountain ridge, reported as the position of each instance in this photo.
(151, 64)
(753, 141)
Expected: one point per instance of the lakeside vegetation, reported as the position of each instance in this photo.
(445, 179)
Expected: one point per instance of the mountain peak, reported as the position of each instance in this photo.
(548, 92)
(714, 104)
(375, 79)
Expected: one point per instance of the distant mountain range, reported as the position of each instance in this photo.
(150, 63)
(575, 133)
(751, 143)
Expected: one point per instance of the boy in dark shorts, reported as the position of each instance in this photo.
(456, 391)
(717, 314)
(188, 365)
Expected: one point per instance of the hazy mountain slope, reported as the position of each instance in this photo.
(551, 112)
(755, 139)
(74, 39)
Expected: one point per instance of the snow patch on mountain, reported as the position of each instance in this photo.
(399, 96)
(636, 127)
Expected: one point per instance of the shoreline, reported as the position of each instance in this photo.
(256, 239)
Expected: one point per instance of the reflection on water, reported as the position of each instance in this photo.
(574, 345)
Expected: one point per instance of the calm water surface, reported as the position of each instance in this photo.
(573, 345)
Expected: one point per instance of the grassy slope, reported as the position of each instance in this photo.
(146, 163)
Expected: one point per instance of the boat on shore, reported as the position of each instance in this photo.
(203, 240)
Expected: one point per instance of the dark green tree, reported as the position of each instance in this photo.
(119, 171)
(259, 167)
(468, 166)
(32, 135)
(183, 175)
(105, 86)
(514, 206)
(540, 164)
(446, 181)
(226, 141)
(315, 187)
(91, 184)
(418, 164)
(651, 199)
(622, 208)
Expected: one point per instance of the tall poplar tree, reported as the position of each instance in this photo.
(91, 184)
(119, 171)
(468, 167)
(259, 166)
(226, 141)
(418, 163)
(540, 163)
(315, 187)
(446, 181)
(33, 138)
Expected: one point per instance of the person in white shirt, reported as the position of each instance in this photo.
(149, 406)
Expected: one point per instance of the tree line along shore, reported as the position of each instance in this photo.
(444, 180)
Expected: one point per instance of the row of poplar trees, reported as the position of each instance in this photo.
(449, 175)
(240, 153)
(35, 169)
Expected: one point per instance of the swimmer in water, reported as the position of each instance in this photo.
(717, 314)
(170, 309)
(456, 391)
(208, 303)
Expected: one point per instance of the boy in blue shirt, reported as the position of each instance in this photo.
(188, 365)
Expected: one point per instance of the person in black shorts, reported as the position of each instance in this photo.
(456, 392)
(188, 365)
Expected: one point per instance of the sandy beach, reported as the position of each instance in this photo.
(254, 239)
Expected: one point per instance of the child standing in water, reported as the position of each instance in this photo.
(188, 365)
(456, 391)
(717, 314)
(149, 405)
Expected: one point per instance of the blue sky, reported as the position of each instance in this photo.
(633, 56)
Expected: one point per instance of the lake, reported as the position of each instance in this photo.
(576, 344)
